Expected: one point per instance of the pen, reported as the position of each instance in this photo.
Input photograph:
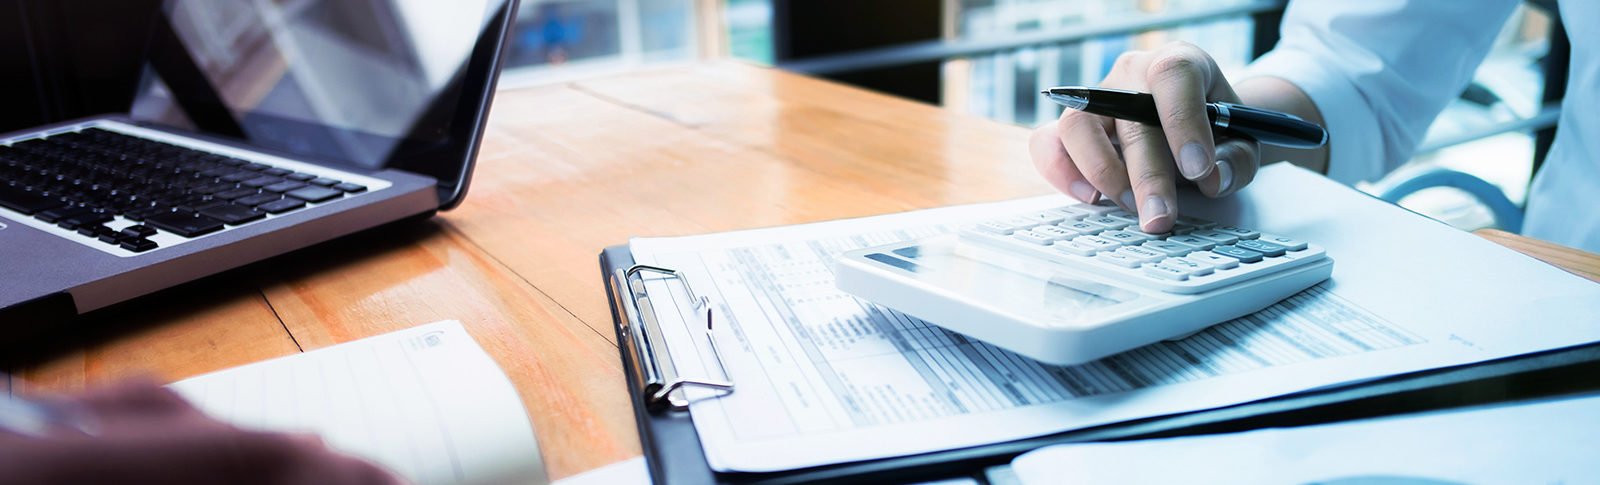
(1265, 126)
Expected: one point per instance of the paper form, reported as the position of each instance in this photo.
(426, 402)
(1544, 442)
(823, 378)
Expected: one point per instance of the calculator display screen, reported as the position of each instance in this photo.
(1034, 289)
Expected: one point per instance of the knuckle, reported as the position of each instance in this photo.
(1168, 66)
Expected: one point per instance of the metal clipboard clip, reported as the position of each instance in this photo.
(657, 378)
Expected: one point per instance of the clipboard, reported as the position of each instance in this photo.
(673, 453)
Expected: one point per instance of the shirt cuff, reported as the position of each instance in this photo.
(1355, 146)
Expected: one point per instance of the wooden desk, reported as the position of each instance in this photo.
(567, 170)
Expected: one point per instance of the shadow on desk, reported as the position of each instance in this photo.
(49, 337)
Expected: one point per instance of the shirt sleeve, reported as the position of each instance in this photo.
(1380, 71)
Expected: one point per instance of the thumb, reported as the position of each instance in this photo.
(1235, 166)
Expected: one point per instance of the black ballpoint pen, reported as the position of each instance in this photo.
(1265, 126)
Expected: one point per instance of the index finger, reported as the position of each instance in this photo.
(1180, 77)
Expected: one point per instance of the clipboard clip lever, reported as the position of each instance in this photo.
(658, 381)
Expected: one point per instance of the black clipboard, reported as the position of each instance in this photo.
(673, 454)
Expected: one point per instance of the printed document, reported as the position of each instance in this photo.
(425, 402)
(822, 377)
(1544, 442)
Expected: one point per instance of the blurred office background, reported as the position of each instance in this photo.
(990, 58)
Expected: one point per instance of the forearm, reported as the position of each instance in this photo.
(1279, 95)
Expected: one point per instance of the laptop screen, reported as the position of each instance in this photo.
(398, 84)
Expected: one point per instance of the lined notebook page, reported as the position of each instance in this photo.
(425, 402)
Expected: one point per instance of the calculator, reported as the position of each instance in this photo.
(1072, 284)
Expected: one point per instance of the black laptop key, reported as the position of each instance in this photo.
(258, 199)
(184, 224)
(261, 181)
(236, 193)
(16, 199)
(284, 186)
(86, 219)
(325, 182)
(138, 231)
(282, 205)
(114, 237)
(314, 194)
(138, 245)
(240, 176)
(300, 177)
(349, 187)
(232, 214)
(276, 172)
(62, 212)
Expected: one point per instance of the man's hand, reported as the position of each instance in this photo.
(1137, 165)
(137, 432)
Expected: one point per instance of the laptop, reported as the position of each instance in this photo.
(223, 132)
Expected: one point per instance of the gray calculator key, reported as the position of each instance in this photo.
(1107, 222)
(1214, 236)
(1119, 259)
(1194, 223)
(994, 227)
(1125, 216)
(1046, 217)
(1193, 242)
(1168, 248)
(1095, 242)
(1125, 237)
(1098, 208)
(1084, 228)
(1235, 252)
(1020, 222)
(1070, 248)
(1195, 268)
(1144, 255)
(1165, 272)
(1237, 231)
(1288, 242)
(1214, 259)
(1055, 232)
(1070, 213)
(1266, 248)
(1035, 237)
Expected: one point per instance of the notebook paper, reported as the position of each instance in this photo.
(425, 402)
(822, 377)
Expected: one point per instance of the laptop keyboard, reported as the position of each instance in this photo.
(81, 181)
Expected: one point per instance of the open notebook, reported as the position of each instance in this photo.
(425, 402)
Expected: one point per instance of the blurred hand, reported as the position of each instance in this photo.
(1137, 165)
(143, 433)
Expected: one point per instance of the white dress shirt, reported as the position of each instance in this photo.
(1380, 71)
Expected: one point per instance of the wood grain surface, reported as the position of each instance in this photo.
(565, 171)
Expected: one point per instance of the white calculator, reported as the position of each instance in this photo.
(1072, 284)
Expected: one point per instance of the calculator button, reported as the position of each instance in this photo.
(1168, 248)
(1070, 248)
(1095, 242)
(1119, 259)
(1045, 217)
(1035, 237)
(1125, 237)
(1144, 255)
(1055, 232)
(1107, 222)
(993, 227)
(1235, 252)
(1165, 272)
(1098, 208)
(1194, 223)
(1069, 213)
(1125, 216)
(1289, 243)
(1214, 259)
(1214, 236)
(1193, 242)
(1195, 268)
(1019, 223)
(1237, 231)
(1266, 248)
(1084, 228)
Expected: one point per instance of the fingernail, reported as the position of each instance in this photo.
(1224, 177)
(1127, 201)
(1082, 191)
(1192, 161)
(1155, 208)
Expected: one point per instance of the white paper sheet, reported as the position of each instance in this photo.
(425, 402)
(822, 377)
(1546, 442)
